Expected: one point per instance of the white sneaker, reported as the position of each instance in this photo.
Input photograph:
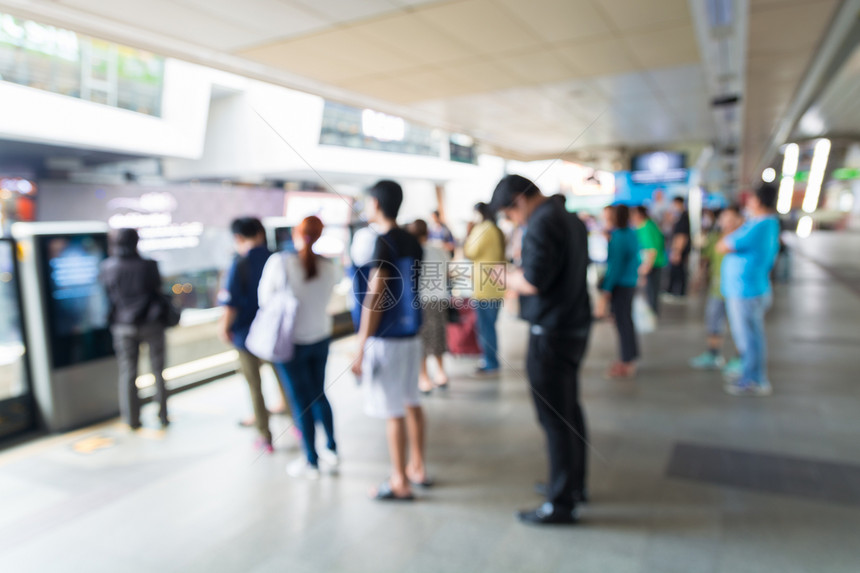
(300, 468)
(330, 460)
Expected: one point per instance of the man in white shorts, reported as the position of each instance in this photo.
(389, 351)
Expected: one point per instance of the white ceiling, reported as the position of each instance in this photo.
(783, 37)
(837, 111)
(532, 77)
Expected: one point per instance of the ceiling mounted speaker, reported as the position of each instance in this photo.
(725, 100)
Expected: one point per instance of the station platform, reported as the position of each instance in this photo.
(682, 476)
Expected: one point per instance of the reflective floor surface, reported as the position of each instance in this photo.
(682, 476)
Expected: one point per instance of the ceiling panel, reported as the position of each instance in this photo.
(171, 18)
(630, 87)
(601, 57)
(788, 27)
(633, 15)
(681, 80)
(486, 27)
(664, 48)
(416, 39)
(387, 88)
(559, 20)
(539, 66)
(343, 49)
(484, 75)
(347, 10)
(274, 18)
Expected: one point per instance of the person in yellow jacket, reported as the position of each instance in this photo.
(485, 246)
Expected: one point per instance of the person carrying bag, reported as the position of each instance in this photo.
(293, 329)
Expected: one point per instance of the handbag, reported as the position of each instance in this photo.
(644, 319)
(161, 310)
(271, 335)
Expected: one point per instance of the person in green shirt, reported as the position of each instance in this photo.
(715, 307)
(652, 246)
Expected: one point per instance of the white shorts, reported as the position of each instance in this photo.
(389, 374)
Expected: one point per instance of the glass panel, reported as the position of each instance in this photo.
(13, 381)
(77, 304)
(366, 129)
(63, 62)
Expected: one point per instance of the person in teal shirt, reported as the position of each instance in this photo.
(652, 245)
(619, 287)
(745, 283)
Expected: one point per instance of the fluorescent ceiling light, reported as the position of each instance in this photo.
(804, 227)
(785, 196)
(816, 175)
(789, 162)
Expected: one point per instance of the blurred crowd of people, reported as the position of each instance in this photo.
(418, 294)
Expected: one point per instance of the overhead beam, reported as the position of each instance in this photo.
(838, 42)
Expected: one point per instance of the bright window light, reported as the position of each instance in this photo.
(804, 227)
(768, 175)
(382, 126)
(816, 175)
(785, 196)
(789, 161)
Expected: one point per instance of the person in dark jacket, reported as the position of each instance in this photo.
(554, 300)
(133, 285)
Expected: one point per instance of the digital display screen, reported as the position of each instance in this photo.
(76, 303)
(659, 167)
(284, 240)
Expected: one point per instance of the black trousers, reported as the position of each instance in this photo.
(653, 288)
(678, 279)
(126, 341)
(622, 309)
(553, 368)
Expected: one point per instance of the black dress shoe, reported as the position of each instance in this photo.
(578, 496)
(547, 514)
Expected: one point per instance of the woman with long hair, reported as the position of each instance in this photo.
(619, 287)
(309, 278)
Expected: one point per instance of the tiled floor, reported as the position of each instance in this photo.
(197, 498)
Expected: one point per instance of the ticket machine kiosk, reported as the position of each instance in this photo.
(74, 370)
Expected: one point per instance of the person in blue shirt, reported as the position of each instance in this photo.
(619, 287)
(750, 253)
(239, 299)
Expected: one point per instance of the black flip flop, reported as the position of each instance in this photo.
(428, 482)
(385, 493)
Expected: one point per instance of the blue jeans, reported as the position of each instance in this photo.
(304, 379)
(487, 312)
(746, 319)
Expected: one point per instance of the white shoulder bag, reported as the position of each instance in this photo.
(271, 334)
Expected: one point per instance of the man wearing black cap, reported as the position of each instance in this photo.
(554, 300)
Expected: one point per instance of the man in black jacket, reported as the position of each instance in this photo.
(133, 286)
(554, 300)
